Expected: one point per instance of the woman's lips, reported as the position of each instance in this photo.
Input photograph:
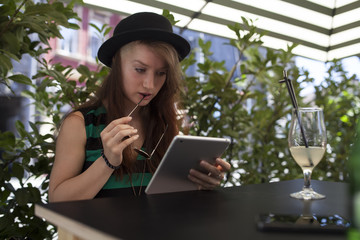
(146, 96)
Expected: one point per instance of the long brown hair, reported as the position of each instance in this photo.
(159, 112)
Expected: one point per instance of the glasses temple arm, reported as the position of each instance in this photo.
(162, 135)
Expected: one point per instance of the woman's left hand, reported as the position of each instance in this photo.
(214, 176)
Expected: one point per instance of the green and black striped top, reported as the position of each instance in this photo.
(95, 122)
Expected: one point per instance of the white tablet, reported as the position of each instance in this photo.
(185, 152)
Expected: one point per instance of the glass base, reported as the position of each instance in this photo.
(307, 194)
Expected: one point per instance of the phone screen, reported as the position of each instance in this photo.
(283, 222)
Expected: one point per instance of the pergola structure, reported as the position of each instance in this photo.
(324, 29)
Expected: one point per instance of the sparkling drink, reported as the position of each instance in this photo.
(302, 156)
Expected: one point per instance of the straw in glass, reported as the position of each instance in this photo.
(291, 91)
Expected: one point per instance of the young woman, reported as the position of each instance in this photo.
(97, 149)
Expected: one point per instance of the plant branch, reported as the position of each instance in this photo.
(12, 18)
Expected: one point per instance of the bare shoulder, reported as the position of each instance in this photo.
(74, 119)
(73, 126)
(71, 141)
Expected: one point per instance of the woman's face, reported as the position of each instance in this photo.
(143, 73)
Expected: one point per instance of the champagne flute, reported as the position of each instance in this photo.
(307, 152)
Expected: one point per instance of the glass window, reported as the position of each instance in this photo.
(95, 37)
(69, 43)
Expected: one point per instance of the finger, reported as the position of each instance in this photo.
(219, 176)
(214, 171)
(120, 121)
(206, 166)
(120, 130)
(124, 134)
(201, 185)
(112, 149)
(110, 132)
(127, 142)
(204, 178)
(225, 166)
(119, 140)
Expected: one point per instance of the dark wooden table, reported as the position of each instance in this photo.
(227, 213)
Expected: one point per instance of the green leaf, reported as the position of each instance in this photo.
(166, 13)
(107, 31)
(10, 187)
(18, 171)
(5, 64)
(11, 41)
(19, 78)
(344, 118)
(10, 55)
(28, 94)
(22, 196)
(3, 197)
(96, 27)
(7, 139)
(35, 194)
(35, 129)
(208, 86)
(38, 9)
(84, 70)
(20, 129)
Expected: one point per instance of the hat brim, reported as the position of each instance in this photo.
(108, 49)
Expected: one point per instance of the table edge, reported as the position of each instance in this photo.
(75, 227)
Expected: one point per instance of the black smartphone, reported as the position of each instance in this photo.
(300, 223)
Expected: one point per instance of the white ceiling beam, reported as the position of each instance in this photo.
(310, 23)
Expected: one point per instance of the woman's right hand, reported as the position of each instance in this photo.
(116, 137)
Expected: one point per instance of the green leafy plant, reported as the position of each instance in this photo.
(26, 28)
(30, 156)
(27, 155)
(338, 94)
(253, 109)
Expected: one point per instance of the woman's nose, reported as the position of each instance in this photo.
(148, 82)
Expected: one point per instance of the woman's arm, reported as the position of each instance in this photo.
(66, 180)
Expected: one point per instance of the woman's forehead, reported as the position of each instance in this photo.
(143, 54)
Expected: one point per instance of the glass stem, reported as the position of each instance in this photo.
(307, 178)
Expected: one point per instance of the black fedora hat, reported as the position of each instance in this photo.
(142, 26)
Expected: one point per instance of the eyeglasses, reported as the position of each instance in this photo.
(140, 151)
(147, 158)
(145, 154)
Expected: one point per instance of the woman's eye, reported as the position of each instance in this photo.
(162, 73)
(140, 70)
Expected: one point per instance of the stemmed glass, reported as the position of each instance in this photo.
(307, 143)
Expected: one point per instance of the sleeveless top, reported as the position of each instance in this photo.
(95, 122)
